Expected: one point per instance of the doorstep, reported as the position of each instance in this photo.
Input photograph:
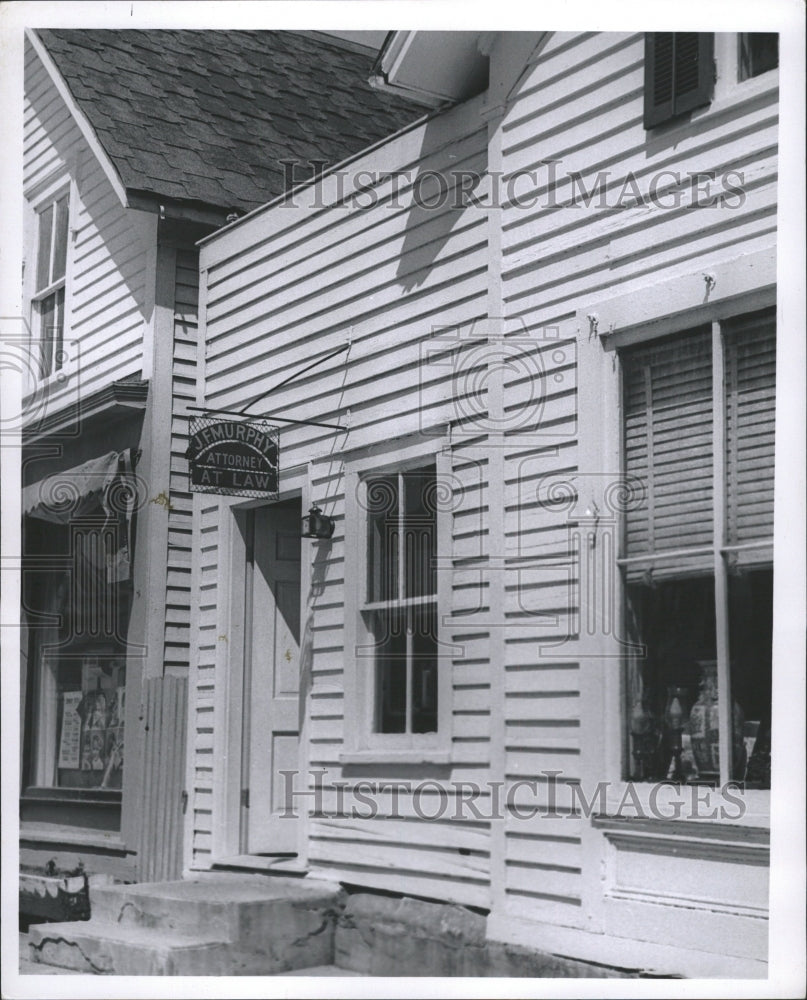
(222, 924)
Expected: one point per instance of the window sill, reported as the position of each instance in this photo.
(395, 757)
(694, 807)
(49, 383)
(44, 833)
(72, 796)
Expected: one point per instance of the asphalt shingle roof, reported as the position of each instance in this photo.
(210, 116)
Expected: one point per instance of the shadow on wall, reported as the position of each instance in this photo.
(448, 179)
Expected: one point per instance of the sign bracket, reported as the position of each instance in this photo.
(261, 416)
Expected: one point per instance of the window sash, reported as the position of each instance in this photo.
(52, 246)
(51, 332)
(401, 580)
(392, 583)
(667, 445)
(675, 434)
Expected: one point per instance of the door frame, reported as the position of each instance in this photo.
(230, 702)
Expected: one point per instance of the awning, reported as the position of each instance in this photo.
(106, 484)
(76, 491)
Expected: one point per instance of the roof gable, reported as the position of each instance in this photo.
(222, 118)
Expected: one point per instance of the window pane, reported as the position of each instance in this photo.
(675, 622)
(382, 538)
(49, 325)
(389, 635)
(750, 643)
(90, 721)
(668, 445)
(759, 52)
(58, 332)
(750, 349)
(60, 240)
(43, 253)
(420, 532)
(424, 670)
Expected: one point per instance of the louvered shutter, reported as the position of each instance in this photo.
(667, 393)
(679, 74)
(750, 349)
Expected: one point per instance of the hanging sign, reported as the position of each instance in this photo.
(233, 457)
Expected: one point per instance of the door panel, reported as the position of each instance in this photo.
(274, 681)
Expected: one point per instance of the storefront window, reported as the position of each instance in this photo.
(698, 433)
(77, 598)
(90, 694)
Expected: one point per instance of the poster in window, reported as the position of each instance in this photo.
(70, 742)
(92, 751)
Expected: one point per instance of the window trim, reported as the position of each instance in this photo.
(362, 745)
(743, 284)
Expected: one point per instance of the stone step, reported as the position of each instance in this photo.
(216, 925)
(100, 948)
(243, 909)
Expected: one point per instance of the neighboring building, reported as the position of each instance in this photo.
(547, 359)
(136, 144)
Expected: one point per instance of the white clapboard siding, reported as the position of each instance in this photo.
(391, 277)
(105, 310)
(580, 103)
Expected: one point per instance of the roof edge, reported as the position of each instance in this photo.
(333, 168)
(78, 116)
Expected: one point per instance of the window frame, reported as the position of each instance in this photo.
(722, 550)
(361, 743)
(741, 78)
(744, 284)
(38, 202)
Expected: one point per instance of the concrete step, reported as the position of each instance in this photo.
(225, 905)
(100, 948)
(222, 925)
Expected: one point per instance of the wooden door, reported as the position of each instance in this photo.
(274, 674)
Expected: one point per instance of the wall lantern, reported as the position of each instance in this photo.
(317, 525)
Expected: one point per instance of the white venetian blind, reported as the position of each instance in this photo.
(667, 395)
(750, 349)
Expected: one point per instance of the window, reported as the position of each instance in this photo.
(79, 680)
(758, 53)
(49, 293)
(679, 74)
(400, 607)
(698, 432)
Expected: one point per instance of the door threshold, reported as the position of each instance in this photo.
(270, 863)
